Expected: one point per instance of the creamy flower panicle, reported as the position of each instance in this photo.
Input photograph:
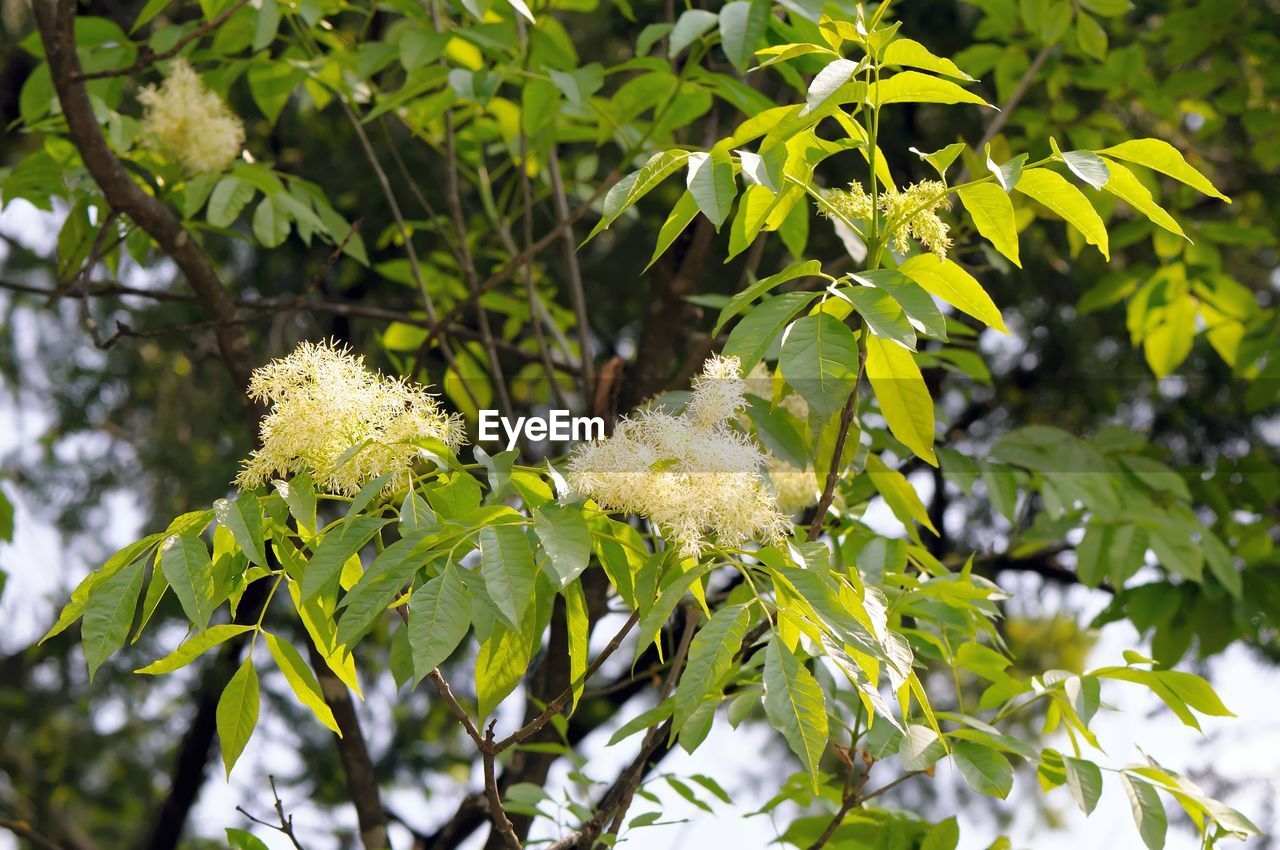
(693, 475)
(914, 209)
(323, 402)
(190, 123)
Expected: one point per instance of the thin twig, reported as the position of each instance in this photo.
(149, 56)
(557, 705)
(285, 826)
(576, 292)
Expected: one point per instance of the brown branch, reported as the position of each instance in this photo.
(501, 823)
(56, 21)
(833, 473)
(149, 56)
(25, 832)
(353, 752)
(1015, 97)
(557, 705)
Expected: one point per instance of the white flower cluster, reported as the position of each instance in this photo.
(795, 488)
(190, 123)
(323, 402)
(694, 476)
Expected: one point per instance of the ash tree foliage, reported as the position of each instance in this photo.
(711, 561)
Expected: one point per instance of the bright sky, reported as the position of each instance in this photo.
(748, 762)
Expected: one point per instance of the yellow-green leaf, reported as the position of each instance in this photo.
(913, 54)
(1125, 186)
(915, 87)
(992, 213)
(955, 286)
(898, 493)
(237, 713)
(1055, 192)
(904, 399)
(1161, 156)
(300, 678)
(193, 648)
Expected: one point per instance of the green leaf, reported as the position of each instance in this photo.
(828, 81)
(1163, 157)
(230, 196)
(299, 493)
(237, 713)
(416, 515)
(654, 618)
(795, 706)
(689, 27)
(710, 658)
(920, 747)
(334, 551)
(302, 680)
(955, 286)
(1221, 564)
(882, 312)
(1086, 165)
(239, 839)
(1148, 812)
(992, 213)
(149, 11)
(1168, 343)
(74, 608)
(914, 87)
(631, 188)
(271, 83)
(921, 312)
(270, 224)
(742, 23)
(184, 560)
(941, 159)
(506, 564)
(519, 6)
(985, 770)
(504, 657)
(1006, 175)
(1053, 191)
(108, 613)
(193, 648)
(1125, 186)
(578, 632)
(565, 538)
(740, 301)
(820, 359)
(751, 338)
(439, 617)
(944, 835)
(681, 214)
(710, 181)
(368, 493)
(267, 26)
(644, 720)
(243, 518)
(379, 586)
(898, 493)
(912, 54)
(903, 396)
(1085, 781)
